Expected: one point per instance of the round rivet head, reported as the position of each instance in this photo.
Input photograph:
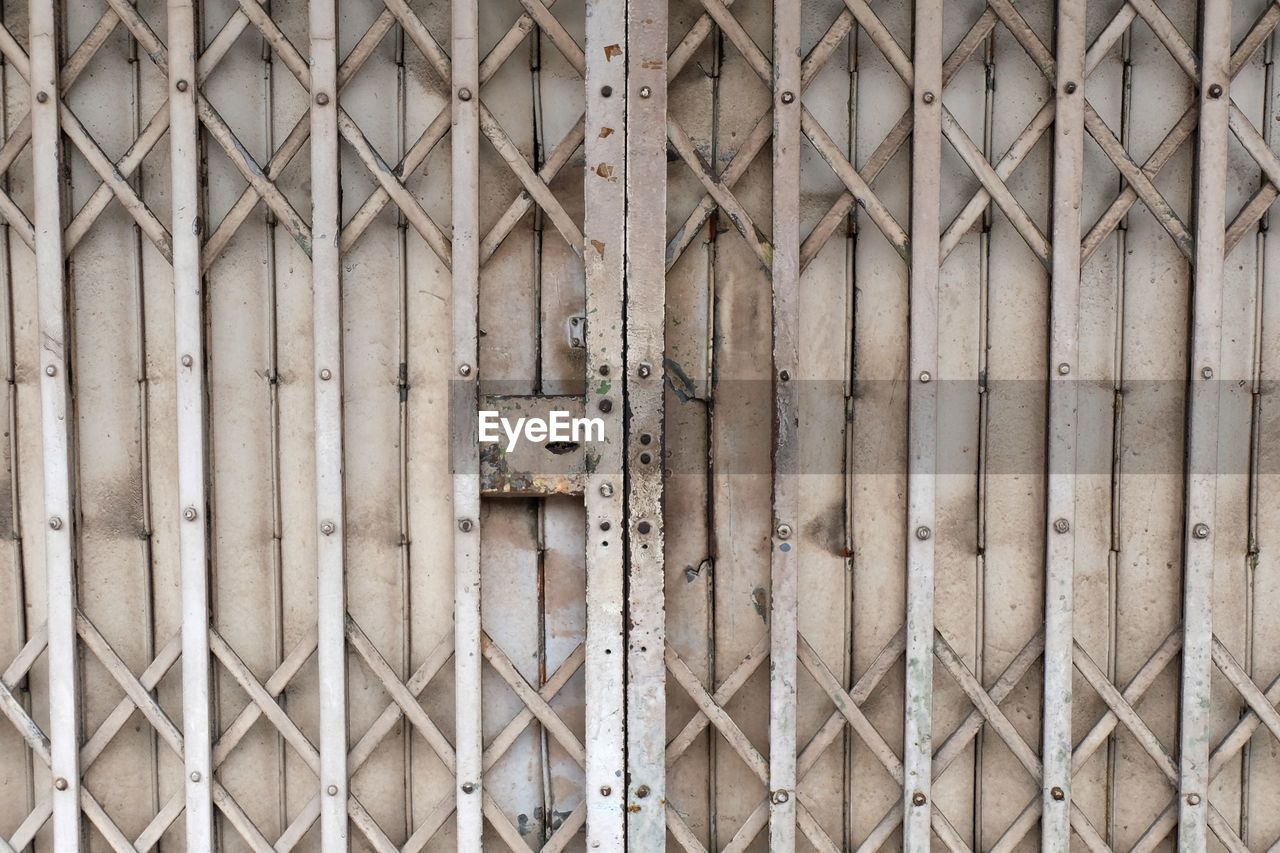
(644, 527)
(606, 91)
(644, 371)
(642, 791)
(606, 406)
(779, 797)
(645, 458)
(925, 376)
(605, 790)
(464, 94)
(923, 533)
(327, 528)
(1215, 91)
(645, 91)
(928, 97)
(42, 97)
(195, 775)
(55, 523)
(187, 361)
(605, 525)
(468, 787)
(606, 490)
(465, 525)
(60, 783)
(604, 370)
(322, 98)
(51, 370)
(464, 370)
(326, 374)
(333, 790)
(1069, 88)
(1200, 531)
(181, 85)
(1193, 799)
(190, 513)
(784, 375)
(1206, 372)
(788, 97)
(918, 799)
(1057, 793)
(1064, 368)
(784, 530)
(1062, 525)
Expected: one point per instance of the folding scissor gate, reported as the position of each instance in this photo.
(933, 345)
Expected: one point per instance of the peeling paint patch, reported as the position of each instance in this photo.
(599, 247)
(606, 132)
(610, 51)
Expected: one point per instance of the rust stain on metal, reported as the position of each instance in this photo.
(599, 247)
(610, 51)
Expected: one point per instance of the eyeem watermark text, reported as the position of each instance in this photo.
(559, 426)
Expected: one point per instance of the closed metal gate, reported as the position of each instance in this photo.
(931, 344)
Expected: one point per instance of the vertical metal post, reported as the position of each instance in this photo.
(645, 445)
(926, 181)
(784, 560)
(463, 400)
(56, 415)
(1202, 421)
(1064, 346)
(190, 392)
(607, 527)
(327, 295)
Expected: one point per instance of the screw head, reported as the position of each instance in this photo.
(1193, 799)
(606, 525)
(788, 97)
(1062, 525)
(606, 91)
(783, 531)
(645, 458)
(322, 98)
(1200, 531)
(464, 370)
(326, 374)
(779, 797)
(606, 490)
(195, 775)
(645, 438)
(644, 527)
(606, 406)
(60, 783)
(181, 85)
(51, 370)
(465, 525)
(187, 361)
(333, 790)
(190, 513)
(926, 376)
(923, 533)
(645, 370)
(1057, 793)
(42, 98)
(605, 790)
(1215, 91)
(468, 787)
(1069, 88)
(1206, 372)
(1064, 368)
(604, 370)
(645, 91)
(918, 799)
(928, 97)
(327, 528)
(784, 375)
(642, 792)
(55, 523)
(464, 94)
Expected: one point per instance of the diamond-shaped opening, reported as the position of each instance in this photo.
(264, 773)
(22, 772)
